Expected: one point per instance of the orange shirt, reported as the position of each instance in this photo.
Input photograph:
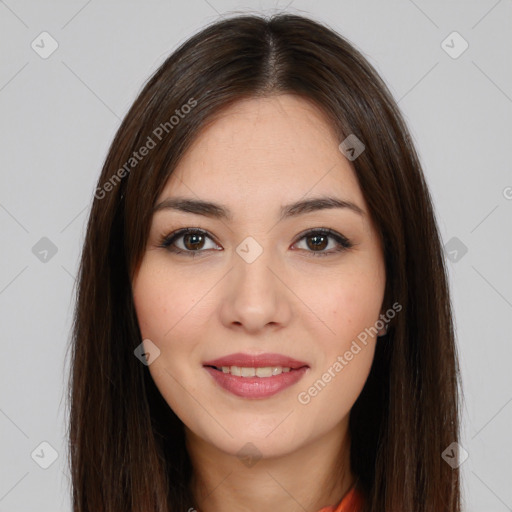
(351, 502)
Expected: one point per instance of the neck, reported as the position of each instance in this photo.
(314, 476)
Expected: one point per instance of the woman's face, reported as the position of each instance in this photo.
(262, 280)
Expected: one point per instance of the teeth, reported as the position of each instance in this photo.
(267, 371)
(248, 372)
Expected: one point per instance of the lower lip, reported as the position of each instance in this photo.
(256, 387)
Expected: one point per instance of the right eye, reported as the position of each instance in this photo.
(192, 241)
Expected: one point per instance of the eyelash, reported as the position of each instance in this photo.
(344, 243)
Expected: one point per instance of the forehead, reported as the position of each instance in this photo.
(280, 148)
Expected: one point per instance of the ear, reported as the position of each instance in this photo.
(383, 330)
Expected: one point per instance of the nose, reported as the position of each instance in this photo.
(255, 295)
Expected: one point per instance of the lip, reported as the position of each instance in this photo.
(256, 361)
(256, 387)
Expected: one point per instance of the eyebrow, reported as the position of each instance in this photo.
(218, 211)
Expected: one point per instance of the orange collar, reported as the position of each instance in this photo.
(351, 502)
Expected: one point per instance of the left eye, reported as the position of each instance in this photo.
(193, 241)
(318, 240)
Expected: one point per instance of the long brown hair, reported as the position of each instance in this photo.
(126, 446)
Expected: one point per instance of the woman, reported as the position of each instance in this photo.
(263, 320)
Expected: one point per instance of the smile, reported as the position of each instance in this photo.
(263, 372)
(255, 383)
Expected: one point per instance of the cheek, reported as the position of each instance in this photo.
(154, 295)
(350, 311)
(349, 305)
(167, 323)
(354, 309)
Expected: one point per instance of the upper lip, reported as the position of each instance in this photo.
(256, 361)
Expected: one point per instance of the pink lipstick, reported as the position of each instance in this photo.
(255, 376)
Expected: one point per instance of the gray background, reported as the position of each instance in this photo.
(58, 118)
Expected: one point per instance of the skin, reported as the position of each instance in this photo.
(258, 155)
